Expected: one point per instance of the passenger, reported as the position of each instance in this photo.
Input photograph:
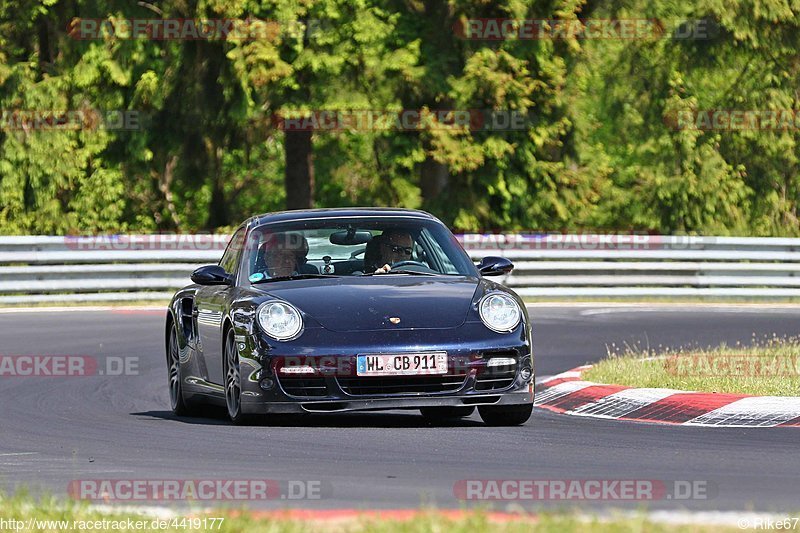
(277, 257)
(285, 253)
(303, 266)
(280, 262)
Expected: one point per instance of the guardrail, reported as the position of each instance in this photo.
(35, 269)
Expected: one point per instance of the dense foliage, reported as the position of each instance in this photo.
(604, 142)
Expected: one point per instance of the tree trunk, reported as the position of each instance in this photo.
(434, 177)
(218, 211)
(299, 174)
(45, 50)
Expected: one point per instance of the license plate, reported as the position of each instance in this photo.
(412, 364)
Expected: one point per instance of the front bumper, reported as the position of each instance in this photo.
(375, 404)
(469, 381)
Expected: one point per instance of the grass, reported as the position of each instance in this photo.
(770, 367)
(23, 508)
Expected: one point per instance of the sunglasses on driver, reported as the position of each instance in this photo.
(406, 250)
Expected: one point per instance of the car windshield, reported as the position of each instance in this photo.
(354, 247)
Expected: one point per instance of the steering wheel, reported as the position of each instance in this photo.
(409, 263)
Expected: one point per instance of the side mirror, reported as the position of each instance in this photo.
(211, 275)
(495, 266)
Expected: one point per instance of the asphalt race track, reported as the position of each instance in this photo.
(57, 429)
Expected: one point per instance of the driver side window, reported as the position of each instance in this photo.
(230, 259)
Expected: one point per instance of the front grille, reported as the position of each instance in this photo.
(303, 387)
(498, 378)
(374, 386)
(485, 383)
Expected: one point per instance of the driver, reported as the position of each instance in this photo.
(393, 246)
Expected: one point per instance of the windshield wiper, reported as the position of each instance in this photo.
(412, 272)
(403, 271)
(295, 276)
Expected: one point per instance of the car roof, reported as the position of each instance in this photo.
(343, 212)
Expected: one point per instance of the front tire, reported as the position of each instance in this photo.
(505, 415)
(233, 380)
(180, 407)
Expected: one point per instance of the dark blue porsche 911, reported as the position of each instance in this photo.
(337, 310)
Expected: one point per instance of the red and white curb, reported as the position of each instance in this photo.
(567, 393)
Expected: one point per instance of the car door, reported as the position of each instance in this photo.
(211, 303)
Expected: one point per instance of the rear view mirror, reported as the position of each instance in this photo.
(350, 237)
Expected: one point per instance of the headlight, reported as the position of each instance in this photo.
(280, 320)
(499, 312)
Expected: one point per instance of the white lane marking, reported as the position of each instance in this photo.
(574, 373)
(665, 309)
(12, 310)
(622, 403)
(566, 375)
(664, 305)
(89, 308)
(145, 510)
(756, 411)
(542, 379)
(17, 454)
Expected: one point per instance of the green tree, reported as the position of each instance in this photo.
(670, 175)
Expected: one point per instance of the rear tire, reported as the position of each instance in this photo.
(233, 381)
(437, 414)
(505, 415)
(180, 407)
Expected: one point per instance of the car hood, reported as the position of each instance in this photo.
(367, 303)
